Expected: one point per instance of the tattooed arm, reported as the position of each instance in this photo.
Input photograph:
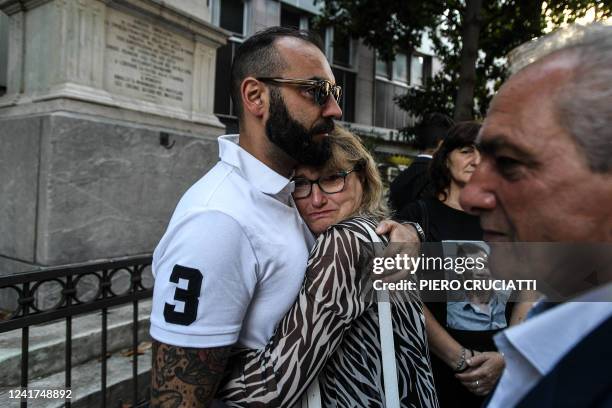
(186, 377)
(328, 302)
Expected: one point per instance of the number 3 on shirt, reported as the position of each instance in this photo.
(188, 296)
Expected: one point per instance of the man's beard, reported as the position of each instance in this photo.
(293, 138)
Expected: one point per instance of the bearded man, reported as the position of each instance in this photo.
(233, 257)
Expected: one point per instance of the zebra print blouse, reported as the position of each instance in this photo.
(332, 329)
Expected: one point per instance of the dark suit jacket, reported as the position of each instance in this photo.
(583, 377)
(410, 185)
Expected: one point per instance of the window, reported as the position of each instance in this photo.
(413, 70)
(396, 70)
(320, 32)
(342, 68)
(341, 49)
(289, 17)
(346, 79)
(4, 22)
(391, 81)
(427, 68)
(400, 68)
(386, 112)
(223, 106)
(231, 15)
(382, 68)
(416, 70)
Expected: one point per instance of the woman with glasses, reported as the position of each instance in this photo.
(332, 328)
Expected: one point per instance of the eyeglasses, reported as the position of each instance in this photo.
(331, 184)
(321, 88)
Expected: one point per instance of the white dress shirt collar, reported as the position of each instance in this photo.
(547, 337)
(534, 347)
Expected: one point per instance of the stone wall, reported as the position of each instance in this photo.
(78, 188)
(107, 120)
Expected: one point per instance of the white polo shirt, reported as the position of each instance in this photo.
(232, 260)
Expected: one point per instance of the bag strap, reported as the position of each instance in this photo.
(424, 218)
(312, 397)
(387, 343)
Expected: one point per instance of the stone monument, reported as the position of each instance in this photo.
(107, 119)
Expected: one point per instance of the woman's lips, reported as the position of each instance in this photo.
(320, 214)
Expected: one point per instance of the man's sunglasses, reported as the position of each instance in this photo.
(321, 88)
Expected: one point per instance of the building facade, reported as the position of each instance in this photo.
(369, 84)
(110, 110)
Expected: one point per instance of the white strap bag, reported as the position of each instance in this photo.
(312, 397)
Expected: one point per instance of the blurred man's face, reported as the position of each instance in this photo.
(533, 183)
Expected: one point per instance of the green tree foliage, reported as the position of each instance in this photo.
(391, 26)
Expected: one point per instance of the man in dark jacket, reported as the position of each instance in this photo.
(544, 190)
(413, 183)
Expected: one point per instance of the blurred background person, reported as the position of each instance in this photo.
(477, 308)
(546, 176)
(413, 183)
(441, 215)
(443, 219)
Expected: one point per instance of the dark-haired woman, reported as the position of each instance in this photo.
(443, 219)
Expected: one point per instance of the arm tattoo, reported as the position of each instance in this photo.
(186, 377)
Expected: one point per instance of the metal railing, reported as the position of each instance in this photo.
(71, 303)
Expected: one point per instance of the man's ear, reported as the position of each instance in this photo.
(254, 96)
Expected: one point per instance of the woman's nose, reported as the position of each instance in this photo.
(318, 197)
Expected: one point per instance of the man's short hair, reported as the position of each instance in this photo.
(258, 57)
(432, 129)
(584, 104)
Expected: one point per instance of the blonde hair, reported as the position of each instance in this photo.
(347, 151)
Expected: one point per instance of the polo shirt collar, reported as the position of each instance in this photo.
(254, 171)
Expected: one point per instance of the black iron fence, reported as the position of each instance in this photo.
(82, 289)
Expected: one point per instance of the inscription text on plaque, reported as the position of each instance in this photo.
(147, 62)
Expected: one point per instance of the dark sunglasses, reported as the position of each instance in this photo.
(321, 88)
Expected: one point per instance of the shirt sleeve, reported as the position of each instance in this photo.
(331, 297)
(205, 277)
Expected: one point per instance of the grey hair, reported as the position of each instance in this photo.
(584, 104)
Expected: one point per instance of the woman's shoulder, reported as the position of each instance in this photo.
(359, 227)
(352, 238)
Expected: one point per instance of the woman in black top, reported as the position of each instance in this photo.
(444, 219)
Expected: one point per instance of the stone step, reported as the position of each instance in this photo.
(86, 384)
(48, 342)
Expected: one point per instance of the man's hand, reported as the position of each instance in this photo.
(398, 232)
(186, 377)
(485, 369)
(404, 240)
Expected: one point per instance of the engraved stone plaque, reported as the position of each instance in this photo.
(91, 86)
(147, 62)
